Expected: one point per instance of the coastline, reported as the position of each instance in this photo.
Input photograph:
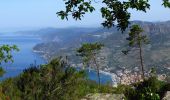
(113, 76)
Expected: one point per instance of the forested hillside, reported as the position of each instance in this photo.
(65, 42)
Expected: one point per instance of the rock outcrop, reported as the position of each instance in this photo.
(167, 96)
(103, 96)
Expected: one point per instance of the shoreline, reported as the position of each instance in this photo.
(113, 76)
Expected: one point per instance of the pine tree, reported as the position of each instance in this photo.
(136, 40)
(88, 52)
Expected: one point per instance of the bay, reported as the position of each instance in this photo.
(25, 57)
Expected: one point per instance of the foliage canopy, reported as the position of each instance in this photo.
(114, 11)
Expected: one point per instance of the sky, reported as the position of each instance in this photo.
(18, 15)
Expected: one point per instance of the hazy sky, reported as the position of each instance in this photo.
(32, 14)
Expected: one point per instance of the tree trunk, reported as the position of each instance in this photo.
(98, 73)
(141, 61)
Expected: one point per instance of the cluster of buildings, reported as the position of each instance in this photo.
(128, 77)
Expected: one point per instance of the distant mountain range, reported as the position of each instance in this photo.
(59, 42)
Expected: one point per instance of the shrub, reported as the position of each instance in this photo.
(53, 81)
(149, 89)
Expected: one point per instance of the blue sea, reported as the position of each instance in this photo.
(25, 57)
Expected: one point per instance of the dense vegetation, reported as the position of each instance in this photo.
(53, 81)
